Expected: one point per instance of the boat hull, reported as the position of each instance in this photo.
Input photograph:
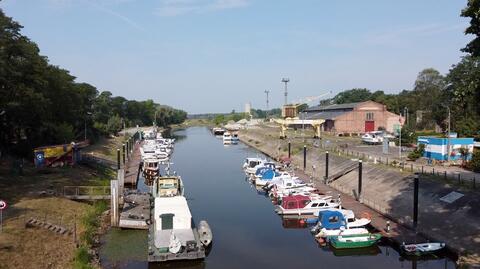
(354, 241)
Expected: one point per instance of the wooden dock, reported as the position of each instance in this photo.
(136, 211)
(132, 166)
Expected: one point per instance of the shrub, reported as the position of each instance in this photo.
(474, 163)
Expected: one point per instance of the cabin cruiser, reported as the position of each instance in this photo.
(150, 170)
(269, 175)
(287, 182)
(334, 223)
(252, 164)
(230, 138)
(304, 205)
(349, 215)
(218, 131)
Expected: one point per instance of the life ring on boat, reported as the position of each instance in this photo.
(366, 215)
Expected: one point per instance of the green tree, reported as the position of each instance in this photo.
(472, 11)
(352, 96)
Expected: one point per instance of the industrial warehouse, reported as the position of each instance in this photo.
(355, 118)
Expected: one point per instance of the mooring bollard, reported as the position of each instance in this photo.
(289, 149)
(387, 229)
(415, 201)
(123, 153)
(304, 157)
(459, 179)
(445, 175)
(360, 168)
(326, 167)
(422, 169)
(118, 159)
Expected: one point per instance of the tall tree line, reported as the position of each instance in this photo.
(42, 104)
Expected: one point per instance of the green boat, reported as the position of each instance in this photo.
(355, 241)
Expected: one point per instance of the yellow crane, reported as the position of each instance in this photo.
(290, 116)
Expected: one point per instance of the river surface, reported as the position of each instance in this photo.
(247, 232)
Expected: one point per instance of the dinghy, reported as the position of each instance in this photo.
(354, 241)
(421, 249)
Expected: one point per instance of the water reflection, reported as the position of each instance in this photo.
(247, 232)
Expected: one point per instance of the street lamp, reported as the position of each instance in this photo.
(85, 121)
(448, 135)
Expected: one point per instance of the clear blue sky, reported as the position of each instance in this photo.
(216, 55)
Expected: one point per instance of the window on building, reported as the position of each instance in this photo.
(369, 116)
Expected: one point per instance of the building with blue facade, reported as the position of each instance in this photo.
(436, 148)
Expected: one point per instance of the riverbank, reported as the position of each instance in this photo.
(36, 193)
(386, 190)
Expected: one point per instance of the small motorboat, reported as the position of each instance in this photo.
(355, 241)
(349, 215)
(333, 223)
(304, 205)
(252, 164)
(421, 249)
(218, 131)
(230, 138)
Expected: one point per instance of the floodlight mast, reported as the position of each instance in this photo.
(286, 80)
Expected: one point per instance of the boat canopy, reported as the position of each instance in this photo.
(269, 174)
(295, 201)
(332, 219)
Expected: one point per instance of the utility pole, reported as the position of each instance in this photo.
(405, 114)
(266, 113)
(448, 135)
(400, 140)
(286, 80)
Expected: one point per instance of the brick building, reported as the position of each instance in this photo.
(355, 118)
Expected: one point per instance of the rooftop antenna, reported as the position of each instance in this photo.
(286, 80)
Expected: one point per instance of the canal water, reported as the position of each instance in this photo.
(247, 232)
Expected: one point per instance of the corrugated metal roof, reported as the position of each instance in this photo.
(325, 115)
(334, 107)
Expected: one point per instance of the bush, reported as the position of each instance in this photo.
(474, 163)
(417, 153)
(82, 258)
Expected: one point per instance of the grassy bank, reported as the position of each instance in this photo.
(36, 193)
(91, 222)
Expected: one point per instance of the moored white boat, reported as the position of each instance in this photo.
(304, 205)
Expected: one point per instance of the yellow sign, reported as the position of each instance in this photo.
(56, 151)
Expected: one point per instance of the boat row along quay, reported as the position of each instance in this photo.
(332, 223)
(336, 220)
(158, 203)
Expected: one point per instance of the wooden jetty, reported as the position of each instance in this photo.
(132, 166)
(136, 211)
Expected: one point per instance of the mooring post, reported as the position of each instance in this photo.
(289, 149)
(445, 174)
(114, 202)
(415, 200)
(360, 168)
(304, 157)
(123, 153)
(326, 167)
(118, 159)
